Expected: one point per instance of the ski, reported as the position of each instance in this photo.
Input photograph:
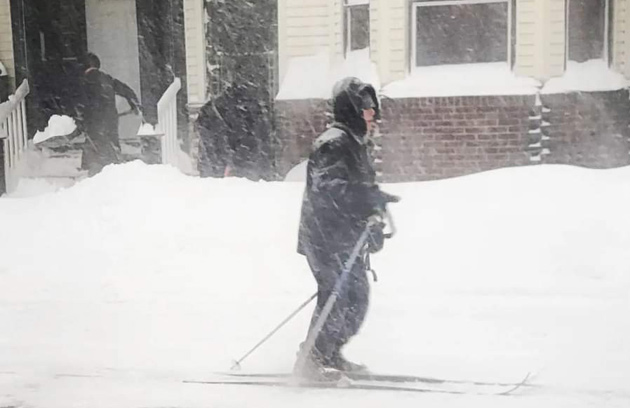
(372, 382)
(324, 385)
(367, 376)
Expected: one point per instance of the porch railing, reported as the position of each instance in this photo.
(167, 124)
(14, 135)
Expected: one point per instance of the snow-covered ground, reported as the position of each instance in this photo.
(114, 291)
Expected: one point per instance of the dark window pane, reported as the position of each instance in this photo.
(359, 27)
(461, 34)
(586, 29)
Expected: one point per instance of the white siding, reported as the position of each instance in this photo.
(621, 36)
(338, 26)
(398, 32)
(305, 27)
(555, 54)
(527, 37)
(6, 39)
(194, 15)
(308, 26)
(540, 38)
(389, 38)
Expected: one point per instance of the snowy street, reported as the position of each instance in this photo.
(115, 291)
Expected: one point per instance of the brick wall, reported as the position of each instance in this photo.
(298, 123)
(435, 138)
(587, 129)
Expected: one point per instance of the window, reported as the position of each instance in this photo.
(461, 31)
(357, 24)
(587, 30)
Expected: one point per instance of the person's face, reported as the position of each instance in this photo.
(368, 116)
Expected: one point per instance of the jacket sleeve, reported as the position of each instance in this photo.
(126, 92)
(330, 180)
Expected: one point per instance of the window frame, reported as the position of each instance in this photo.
(416, 4)
(607, 48)
(347, 9)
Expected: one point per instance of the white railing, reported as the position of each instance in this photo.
(167, 124)
(14, 135)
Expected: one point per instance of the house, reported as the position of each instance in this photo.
(158, 47)
(467, 85)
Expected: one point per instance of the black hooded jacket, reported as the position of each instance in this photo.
(341, 192)
(100, 116)
(234, 131)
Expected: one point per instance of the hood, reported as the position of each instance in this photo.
(350, 97)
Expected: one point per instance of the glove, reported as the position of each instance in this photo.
(389, 198)
(136, 109)
(376, 237)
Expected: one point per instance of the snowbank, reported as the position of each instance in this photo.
(297, 173)
(57, 126)
(462, 80)
(313, 77)
(590, 76)
(117, 289)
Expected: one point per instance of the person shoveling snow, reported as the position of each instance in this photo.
(99, 117)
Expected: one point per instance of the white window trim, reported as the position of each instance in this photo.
(606, 49)
(420, 3)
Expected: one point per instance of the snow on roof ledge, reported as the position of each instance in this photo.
(590, 76)
(313, 77)
(482, 79)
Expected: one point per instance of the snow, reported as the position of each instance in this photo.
(58, 125)
(462, 80)
(3, 70)
(313, 77)
(147, 129)
(297, 173)
(115, 290)
(357, 2)
(590, 76)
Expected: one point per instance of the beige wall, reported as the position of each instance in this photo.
(621, 36)
(307, 26)
(389, 28)
(6, 39)
(540, 38)
(195, 22)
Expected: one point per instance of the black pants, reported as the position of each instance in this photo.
(348, 313)
(102, 147)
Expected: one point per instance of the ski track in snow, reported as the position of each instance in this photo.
(116, 290)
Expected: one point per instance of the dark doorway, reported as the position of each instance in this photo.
(162, 49)
(56, 40)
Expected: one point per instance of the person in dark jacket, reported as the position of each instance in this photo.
(98, 115)
(341, 195)
(234, 134)
(214, 153)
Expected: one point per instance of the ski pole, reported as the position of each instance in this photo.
(321, 320)
(237, 363)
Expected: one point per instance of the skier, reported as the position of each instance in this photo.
(98, 115)
(341, 195)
